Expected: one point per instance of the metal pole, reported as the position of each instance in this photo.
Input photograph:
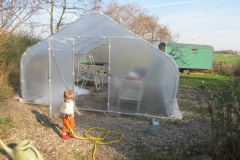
(49, 76)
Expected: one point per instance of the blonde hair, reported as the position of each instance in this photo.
(68, 94)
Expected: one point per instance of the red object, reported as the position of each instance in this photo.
(65, 137)
(133, 78)
(71, 135)
(67, 121)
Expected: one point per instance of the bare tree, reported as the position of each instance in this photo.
(97, 4)
(61, 12)
(13, 14)
(137, 20)
(175, 52)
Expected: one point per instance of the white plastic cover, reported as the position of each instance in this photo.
(49, 67)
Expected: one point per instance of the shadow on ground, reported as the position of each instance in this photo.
(47, 122)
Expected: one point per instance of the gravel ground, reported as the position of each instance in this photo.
(189, 136)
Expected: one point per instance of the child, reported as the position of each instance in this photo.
(67, 110)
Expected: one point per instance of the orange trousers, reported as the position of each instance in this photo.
(65, 124)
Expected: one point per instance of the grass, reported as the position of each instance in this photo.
(191, 81)
(4, 125)
(198, 81)
(228, 58)
(222, 108)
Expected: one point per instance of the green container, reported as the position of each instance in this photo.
(190, 56)
(86, 63)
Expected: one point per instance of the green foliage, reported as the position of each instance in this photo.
(5, 124)
(223, 106)
(5, 88)
(5, 120)
(10, 61)
(15, 45)
(220, 96)
(5, 93)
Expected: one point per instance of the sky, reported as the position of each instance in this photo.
(205, 22)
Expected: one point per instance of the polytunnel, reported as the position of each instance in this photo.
(141, 79)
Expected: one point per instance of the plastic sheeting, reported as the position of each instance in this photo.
(48, 68)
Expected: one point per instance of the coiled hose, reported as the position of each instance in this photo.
(100, 137)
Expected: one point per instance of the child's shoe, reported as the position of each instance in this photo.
(65, 137)
(71, 135)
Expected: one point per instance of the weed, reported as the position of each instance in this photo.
(4, 125)
(177, 122)
(222, 105)
(5, 88)
(78, 156)
(4, 121)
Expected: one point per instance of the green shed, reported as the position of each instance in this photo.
(190, 56)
